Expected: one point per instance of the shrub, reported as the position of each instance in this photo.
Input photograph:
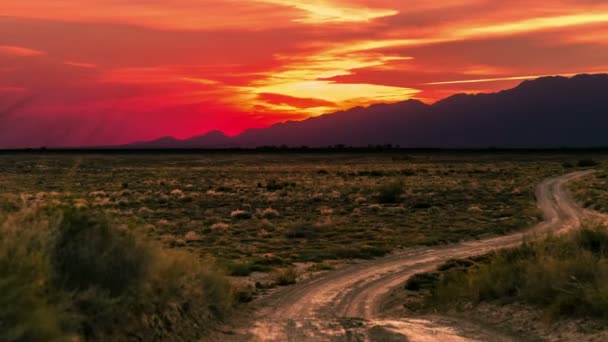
(244, 293)
(566, 275)
(422, 280)
(240, 214)
(192, 236)
(28, 310)
(567, 165)
(593, 240)
(71, 272)
(587, 163)
(302, 230)
(245, 268)
(375, 207)
(177, 193)
(285, 276)
(269, 213)
(422, 205)
(326, 211)
(220, 226)
(390, 193)
(274, 185)
(90, 253)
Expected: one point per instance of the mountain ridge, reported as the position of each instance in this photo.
(547, 112)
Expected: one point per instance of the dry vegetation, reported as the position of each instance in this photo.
(554, 289)
(566, 276)
(266, 210)
(592, 191)
(67, 272)
(165, 221)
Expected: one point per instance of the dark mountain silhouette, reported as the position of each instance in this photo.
(213, 139)
(548, 112)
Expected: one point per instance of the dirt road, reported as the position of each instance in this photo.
(345, 305)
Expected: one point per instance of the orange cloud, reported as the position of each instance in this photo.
(320, 11)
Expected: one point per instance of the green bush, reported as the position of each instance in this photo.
(70, 272)
(587, 163)
(567, 165)
(565, 275)
(422, 280)
(245, 268)
(390, 193)
(28, 310)
(90, 253)
(302, 230)
(285, 276)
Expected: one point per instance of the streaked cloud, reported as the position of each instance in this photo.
(534, 24)
(19, 51)
(516, 78)
(81, 64)
(323, 11)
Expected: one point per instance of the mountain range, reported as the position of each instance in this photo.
(548, 112)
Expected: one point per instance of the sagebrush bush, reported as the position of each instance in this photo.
(285, 276)
(390, 193)
(89, 252)
(240, 214)
(565, 275)
(28, 310)
(587, 163)
(302, 230)
(71, 272)
(269, 213)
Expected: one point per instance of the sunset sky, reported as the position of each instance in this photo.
(91, 72)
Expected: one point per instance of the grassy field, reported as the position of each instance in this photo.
(272, 209)
(70, 221)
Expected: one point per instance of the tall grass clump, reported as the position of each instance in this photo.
(566, 275)
(29, 308)
(71, 273)
(90, 253)
(587, 163)
(390, 193)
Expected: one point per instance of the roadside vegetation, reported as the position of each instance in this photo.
(592, 191)
(73, 274)
(564, 277)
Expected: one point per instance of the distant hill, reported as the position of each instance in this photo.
(213, 139)
(548, 112)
